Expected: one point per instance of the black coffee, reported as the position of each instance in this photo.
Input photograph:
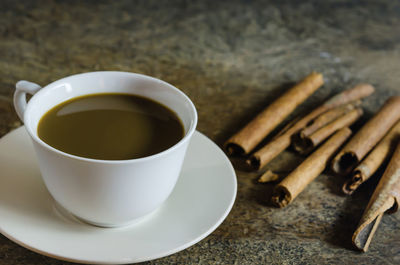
(110, 127)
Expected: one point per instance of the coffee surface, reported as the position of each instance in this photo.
(110, 127)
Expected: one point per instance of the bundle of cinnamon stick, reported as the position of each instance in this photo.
(362, 156)
(322, 118)
(321, 133)
(305, 133)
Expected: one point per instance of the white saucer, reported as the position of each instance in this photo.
(201, 200)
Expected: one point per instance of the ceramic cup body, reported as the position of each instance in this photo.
(106, 192)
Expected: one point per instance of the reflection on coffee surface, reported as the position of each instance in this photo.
(110, 127)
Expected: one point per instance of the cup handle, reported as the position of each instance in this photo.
(22, 88)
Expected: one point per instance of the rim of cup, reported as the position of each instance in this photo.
(186, 137)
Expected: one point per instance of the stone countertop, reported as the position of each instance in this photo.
(231, 58)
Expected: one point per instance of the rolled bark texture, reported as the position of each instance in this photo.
(305, 144)
(367, 137)
(374, 160)
(256, 130)
(326, 118)
(306, 172)
(272, 149)
(385, 198)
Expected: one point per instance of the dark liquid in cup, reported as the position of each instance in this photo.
(110, 127)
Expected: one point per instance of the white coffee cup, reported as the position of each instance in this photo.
(106, 193)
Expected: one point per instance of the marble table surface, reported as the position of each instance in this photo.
(232, 58)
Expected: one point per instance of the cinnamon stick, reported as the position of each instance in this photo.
(312, 167)
(246, 139)
(263, 156)
(327, 117)
(385, 198)
(305, 144)
(365, 139)
(374, 160)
